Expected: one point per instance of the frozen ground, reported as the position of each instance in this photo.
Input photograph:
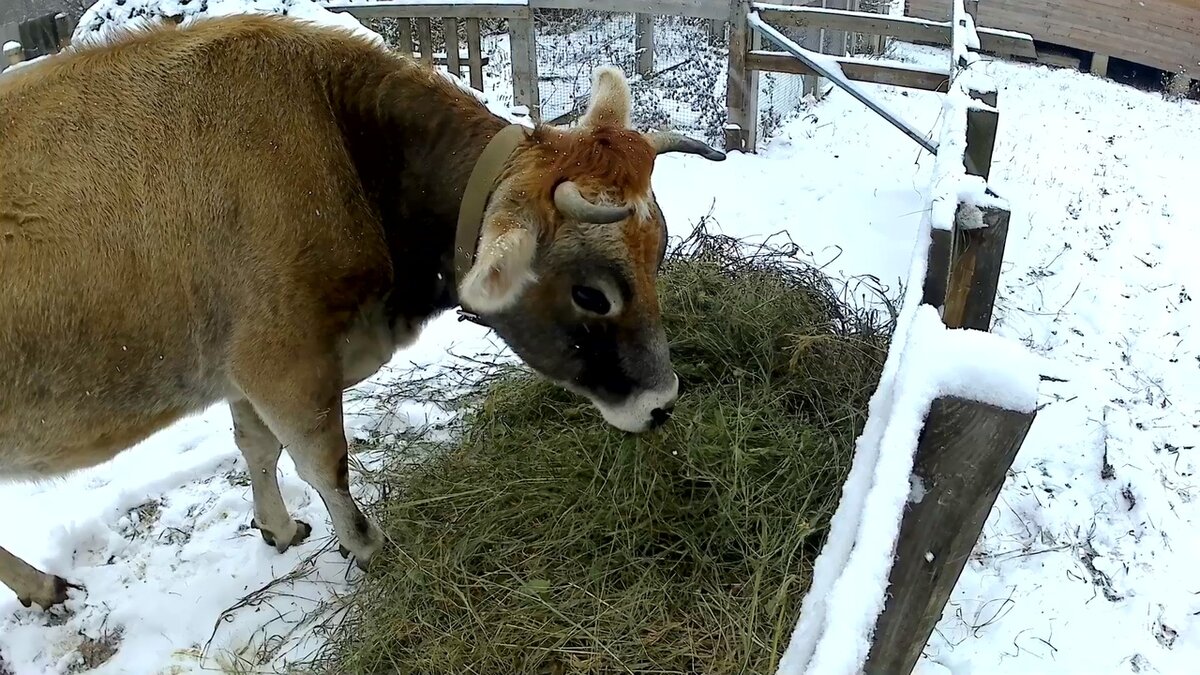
(1087, 564)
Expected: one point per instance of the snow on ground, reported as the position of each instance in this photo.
(1087, 563)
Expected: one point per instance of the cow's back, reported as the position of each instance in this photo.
(152, 197)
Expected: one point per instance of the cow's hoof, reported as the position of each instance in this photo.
(358, 561)
(303, 529)
(53, 593)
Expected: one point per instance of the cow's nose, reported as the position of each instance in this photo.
(659, 417)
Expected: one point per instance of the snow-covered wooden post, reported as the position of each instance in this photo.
(14, 53)
(966, 446)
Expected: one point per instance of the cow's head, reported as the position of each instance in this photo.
(568, 257)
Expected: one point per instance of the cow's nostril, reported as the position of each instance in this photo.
(659, 417)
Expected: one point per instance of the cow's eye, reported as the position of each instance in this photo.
(590, 299)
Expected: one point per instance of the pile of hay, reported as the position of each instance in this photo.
(544, 541)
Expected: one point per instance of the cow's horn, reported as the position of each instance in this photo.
(670, 141)
(573, 205)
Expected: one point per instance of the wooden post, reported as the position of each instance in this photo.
(425, 40)
(523, 41)
(963, 455)
(741, 93)
(14, 53)
(1099, 64)
(644, 27)
(450, 28)
(62, 30)
(37, 36)
(475, 54)
(975, 268)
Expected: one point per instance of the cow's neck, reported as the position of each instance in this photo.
(415, 167)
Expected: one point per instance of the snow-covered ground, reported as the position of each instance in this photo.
(1087, 564)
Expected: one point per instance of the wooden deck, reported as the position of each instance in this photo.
(1162, 34)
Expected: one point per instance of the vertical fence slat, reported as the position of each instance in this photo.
(406, 36)
(425, 40)
(523, 41)
(741, 91)
(475, 54)
(645, 43)
(450, 27)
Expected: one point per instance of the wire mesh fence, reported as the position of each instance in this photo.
(680, 85)
(676, 66)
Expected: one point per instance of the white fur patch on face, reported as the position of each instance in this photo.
(502, 270)
(611, 101)
(636, 413)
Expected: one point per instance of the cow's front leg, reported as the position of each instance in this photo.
(261, 449)
(32, 585)
(299, 397)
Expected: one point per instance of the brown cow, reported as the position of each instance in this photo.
(261, 211)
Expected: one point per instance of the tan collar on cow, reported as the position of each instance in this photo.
(475, 197)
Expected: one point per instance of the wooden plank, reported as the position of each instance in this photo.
(424, 31)
(981, 135)
(963, 455)
(742, 82)
(909, 29)
(450, 28)
(381, 9)
(1005, 43)
(899, 27)
(702, 9)
(644, 28)
(523, 43)
(860, 70)
(406, 36)
(937, 268)
(474, 54)
(975, 268)
(1162, 34)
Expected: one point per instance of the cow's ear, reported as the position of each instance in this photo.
(503, 266)
(611, 101)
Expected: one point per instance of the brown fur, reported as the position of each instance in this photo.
(259, 211)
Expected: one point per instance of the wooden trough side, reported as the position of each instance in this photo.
(947, 484)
